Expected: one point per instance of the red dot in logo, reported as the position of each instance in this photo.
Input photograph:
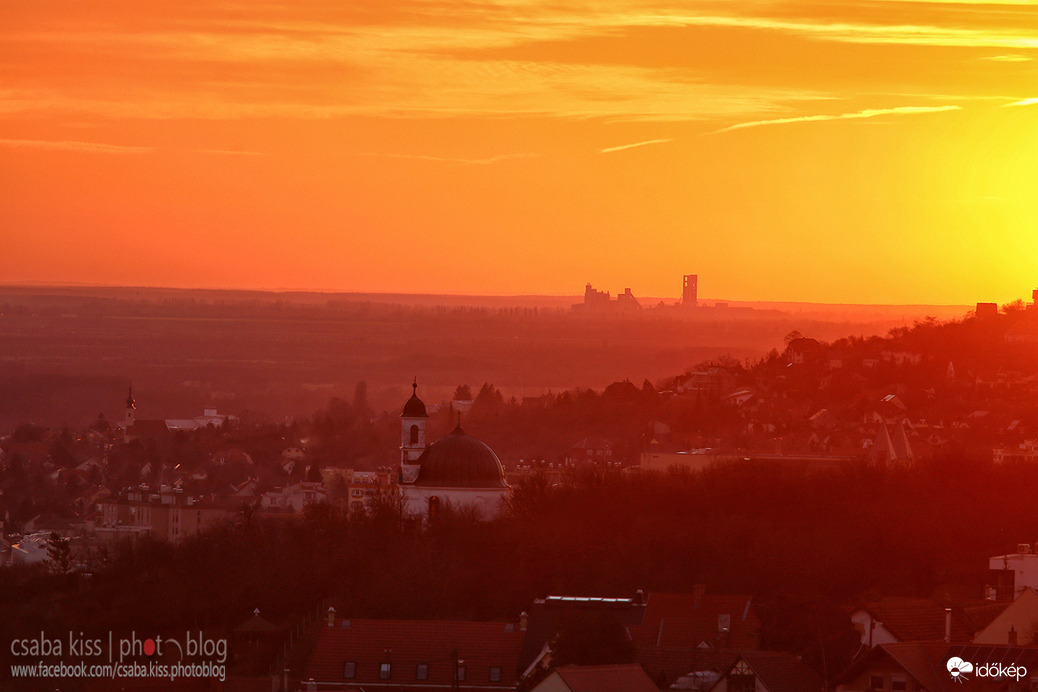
(149, 647)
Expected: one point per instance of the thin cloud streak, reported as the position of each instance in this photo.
(622, 147)
(229, 152)
(1012, 57)
(867, 113)
(68, 145)
(447, 159)
(1025, 102)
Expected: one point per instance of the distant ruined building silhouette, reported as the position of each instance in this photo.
(600, 300)
(690, 291)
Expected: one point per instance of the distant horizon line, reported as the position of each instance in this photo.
(574, 296)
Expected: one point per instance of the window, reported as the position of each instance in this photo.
(349, 671)
(422, 672)
(875, 682)
(741, 679)
(495, 673)
(414, 435)
(898, 682)
(460, 674)
(385, 671)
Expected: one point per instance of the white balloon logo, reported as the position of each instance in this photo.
(958, 668)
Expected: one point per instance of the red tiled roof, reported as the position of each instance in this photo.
(783, 672)
(665, 664)
(148, 429)
(917, 619)
(926, 663)
(407, 643)
(674, 619)
(618, 678)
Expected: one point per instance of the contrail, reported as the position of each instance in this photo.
(609, 150)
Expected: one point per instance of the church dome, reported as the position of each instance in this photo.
(459, 460)
(415, 407)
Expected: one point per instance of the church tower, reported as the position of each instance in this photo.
(131, 415)
(412, 435)
(131, 410)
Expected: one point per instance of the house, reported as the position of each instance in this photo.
(209, 417)
(294, 497)
(899, 666)
(924, 667)
(905, 619)
(896, 447)
(1015, 624)
(594, 449)
(548, 614)
(412, 655)
(31, 549)
(614, 678)
(1012, 573)
(712, 383)
(768, 671)
(805, 351)
(823, 419)
(1026, 452)
(698, 619)
(686, 668)
(741, 397)
(166, 516)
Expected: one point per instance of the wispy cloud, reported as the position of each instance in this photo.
(229, 152)
(68, 145)
(1025, 102)
(449, 159)
(867, 113)
(1010, 57)
(416, 59)
(622, 147)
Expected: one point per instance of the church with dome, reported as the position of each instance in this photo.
(456, 470)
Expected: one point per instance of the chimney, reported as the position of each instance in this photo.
(947, 625)
(639, 595)
(697, 594)
(1012, 636)
(331, 616)
(524, 620)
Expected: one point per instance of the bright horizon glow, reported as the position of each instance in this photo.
(841, 152)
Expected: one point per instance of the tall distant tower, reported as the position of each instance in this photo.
(131, 410)
(690, 291)
(412, 435)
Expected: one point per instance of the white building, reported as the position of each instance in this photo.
(1012, 573)
(209, 417)
(294, 497)
(456, 470)
(31, 550)
(1025, 452)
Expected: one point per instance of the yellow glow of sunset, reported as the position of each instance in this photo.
(831, 151)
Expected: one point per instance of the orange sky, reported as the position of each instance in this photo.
(875, 151)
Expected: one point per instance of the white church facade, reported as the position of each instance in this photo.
(456, 470)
